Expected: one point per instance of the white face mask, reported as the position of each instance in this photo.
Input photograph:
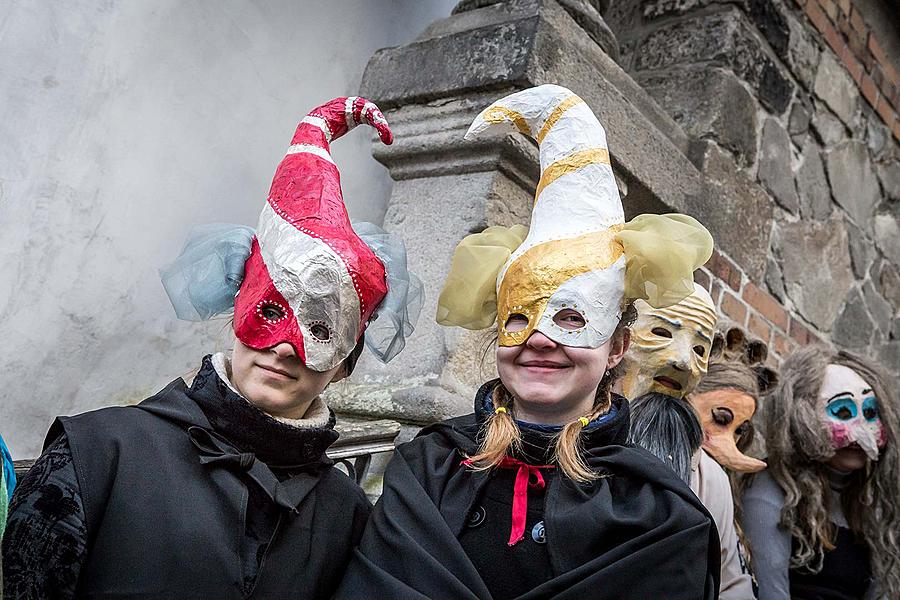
(849, 411)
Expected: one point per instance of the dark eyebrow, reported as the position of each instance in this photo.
(867, 391)
(839, 394)
(703, 336)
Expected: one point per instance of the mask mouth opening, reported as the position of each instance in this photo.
(668, 383)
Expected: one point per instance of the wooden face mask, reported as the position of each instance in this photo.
(725, 416)
(670, 346)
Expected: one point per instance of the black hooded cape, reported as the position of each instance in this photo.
(637, 532)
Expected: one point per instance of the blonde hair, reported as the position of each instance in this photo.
(502, 435)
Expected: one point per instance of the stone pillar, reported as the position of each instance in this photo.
(445, 188)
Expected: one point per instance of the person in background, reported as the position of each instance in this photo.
(222, 489)
(670, 358)
(823, 520)
(537, 494)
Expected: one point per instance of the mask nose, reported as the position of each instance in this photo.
(866, 440)
(725, 451)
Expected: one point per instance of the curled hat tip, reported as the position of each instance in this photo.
(377, 120)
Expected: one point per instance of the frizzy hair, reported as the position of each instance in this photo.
(799, 446)
(502, 436)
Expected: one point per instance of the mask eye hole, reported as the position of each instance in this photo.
(700, 351)
(270, 311)
(320, 331)
(722, 416)
(569, 319)
(516, 322)
(661, 332)
(870, 409)
(842, 409)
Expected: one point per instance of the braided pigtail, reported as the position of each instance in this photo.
(502, 436)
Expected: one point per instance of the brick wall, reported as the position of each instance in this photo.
(761, 314)
(844, 29)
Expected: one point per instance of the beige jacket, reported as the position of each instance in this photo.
(710, 483)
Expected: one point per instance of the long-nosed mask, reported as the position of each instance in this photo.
(670, 346)
(725, 416)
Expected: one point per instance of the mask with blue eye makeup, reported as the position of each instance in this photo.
(851, 411)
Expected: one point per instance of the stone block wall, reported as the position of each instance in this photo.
(803, 96)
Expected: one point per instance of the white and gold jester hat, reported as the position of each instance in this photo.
(579, 253)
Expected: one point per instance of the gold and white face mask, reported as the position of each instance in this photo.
(579, 254)
(670, 347)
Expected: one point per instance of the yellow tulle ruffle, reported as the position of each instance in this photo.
(469, 297)
(661, 251)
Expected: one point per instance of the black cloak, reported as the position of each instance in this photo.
(637, 532)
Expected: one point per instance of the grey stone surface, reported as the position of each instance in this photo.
(889, 176)
(853, 181)
(817, 270)
(812, 184)
(709, 104)
(862, 250)
(880, 309)
(887, 280)
(798, 122)
(731, 197)
(889, 356)
(803, 54)
(827, 127)
(726, 39)
(877, 136)
(837, 89)
(775, 171)
(854, 327)
(775, 279)
(887, 236)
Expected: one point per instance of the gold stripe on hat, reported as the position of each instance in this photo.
(570, 163)
(499, 114)
(555, 115)
(534, 277)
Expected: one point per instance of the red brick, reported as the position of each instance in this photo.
(834, 39)
(852, 65)
(759, 327)
(857, 44)
(869, 91)
(890, 72)
(800, 333)
(800, 2)
(845, 6)
(781, 344)
(876, 50)
(897, 129)
(701, 278)
(733, 308)
(766, 305)
(830, 9)
(886, 111)
(719, 266)
(817, 16)
(716, 291)
(857, 21)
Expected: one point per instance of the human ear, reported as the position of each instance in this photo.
(618, 348)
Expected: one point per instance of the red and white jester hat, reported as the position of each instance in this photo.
(310, 280)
